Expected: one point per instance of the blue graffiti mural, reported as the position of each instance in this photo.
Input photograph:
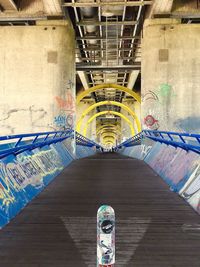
(24, 176)
(64, 121)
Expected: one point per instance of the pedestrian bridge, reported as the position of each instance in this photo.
(151, 180)
(99, 106)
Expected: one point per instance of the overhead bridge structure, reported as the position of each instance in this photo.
(99, 105)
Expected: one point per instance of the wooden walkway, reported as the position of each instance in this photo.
(155, 228)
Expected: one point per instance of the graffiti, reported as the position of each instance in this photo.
(150, 95)
(6, 195)
(145, 150)
(191, 190)
(22, 177)
(165, 90)
(194, 184)
(151, 122)
(60, 120)
(67, 103)
(65, 121)
(158, 107)
(29, 170)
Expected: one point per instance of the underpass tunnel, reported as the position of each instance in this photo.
(99, 106)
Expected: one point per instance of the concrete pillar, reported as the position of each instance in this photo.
(37, 77)
(170, 76)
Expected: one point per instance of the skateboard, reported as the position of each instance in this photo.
(105, 236)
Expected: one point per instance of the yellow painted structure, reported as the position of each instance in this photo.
(108, 85)
(108, 126)
(108, 133)
(108, 112)
(102, 103)
(117, 132)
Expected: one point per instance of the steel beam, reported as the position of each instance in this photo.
(100, 4)
(87, 67)
(101, 58)
(104, 23)
(8, 5)
(23, 19)
(103, 38)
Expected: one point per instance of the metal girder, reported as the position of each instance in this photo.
(108, 85)
(104, 23)
(110, 3)
(52, 6)
(98, 49)
(8, 5)
(88, 67)
(103, 38)
(23, 19)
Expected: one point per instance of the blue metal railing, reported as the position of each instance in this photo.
(132, 141)
(16, 144)
(185, 141)
(84, 141)
(22, 142)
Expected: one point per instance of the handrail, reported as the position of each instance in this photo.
(84, 141)
(132, 141)
(185, 141)
(36, 140)
(170, 138)
(19, 142)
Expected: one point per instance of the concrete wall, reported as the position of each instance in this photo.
(170, 76)
(37, 77)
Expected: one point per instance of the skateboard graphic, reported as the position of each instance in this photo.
(105, 236)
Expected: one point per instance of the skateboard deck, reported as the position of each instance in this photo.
(105, 236)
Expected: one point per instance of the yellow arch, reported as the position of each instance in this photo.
(109, 112)
(108, 125)
(117, 132)
(108, 128)
(108, 85)
(109, 134)
(107, 138)
(107, 102)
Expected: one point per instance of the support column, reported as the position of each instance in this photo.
(170, 76)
